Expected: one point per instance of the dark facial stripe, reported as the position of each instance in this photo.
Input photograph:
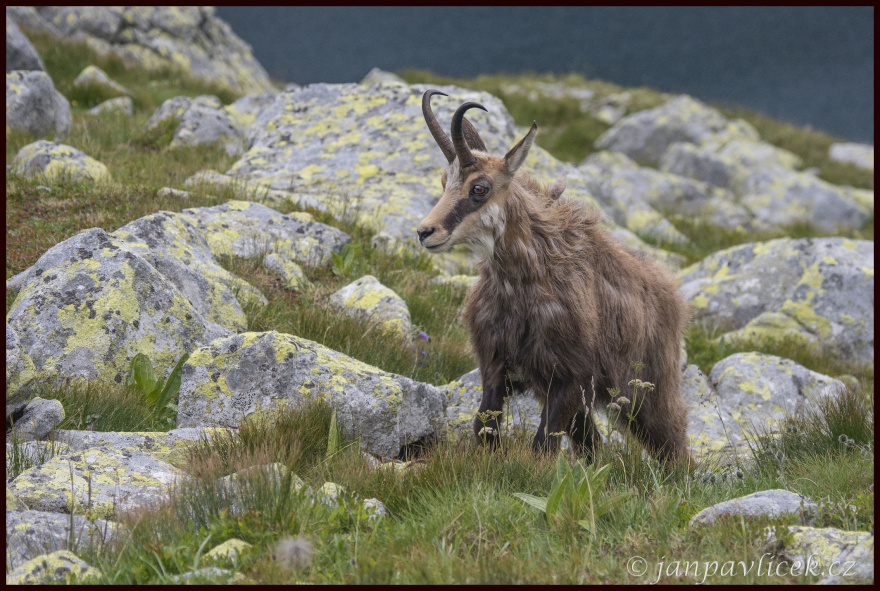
(461, 210)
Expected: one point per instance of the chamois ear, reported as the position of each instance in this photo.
(557, 188)
(517, 155)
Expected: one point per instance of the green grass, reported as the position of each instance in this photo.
(454, 519)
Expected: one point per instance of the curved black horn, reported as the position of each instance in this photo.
(439, 135)
(465, 157)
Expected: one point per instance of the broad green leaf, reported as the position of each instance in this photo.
(333, 440)
(578, 472)
(143, 373)
(539, 503)
(172, 385)
(608, 504)
(562, 467)
(556, 493)
(585, 524)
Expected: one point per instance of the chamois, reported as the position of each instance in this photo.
(560, 308)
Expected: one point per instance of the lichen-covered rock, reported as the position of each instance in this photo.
(367, 149)
(33, 105)
(32, 533)
(201, 121)
(214, 182)
(466, 281)
(772, 503)
(38, 419)
(754, 387)
(377, 76)
(236, 376)
(191, 38)
(617, 182)
(249, 229)
(57, 161)
(463, 398)
(169, 447)
(209, 574)
(169, 192)
(862, 155)
(724, 162)
(841, 557)
(375, 509)
(369, 300)
(228, 549)
(709, 426)
(779, 196)
(763, 180)
(171, 243)
(20, 371)
(645, 136)
(13, 503)
(28, 18)
(291, 274)
(120, 481)
(90, 304)
(824, 285)
(95, 76)
(61, 566)
(120, 104)
(20, 54)
(245, 110)
(22, 455)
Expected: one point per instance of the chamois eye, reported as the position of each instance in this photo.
(479, 190)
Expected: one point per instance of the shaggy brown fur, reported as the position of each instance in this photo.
(561, 309)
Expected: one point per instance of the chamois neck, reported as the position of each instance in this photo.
(520, 253)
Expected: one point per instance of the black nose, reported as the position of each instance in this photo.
(425, 233)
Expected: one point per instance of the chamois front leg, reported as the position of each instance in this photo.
(491, 406)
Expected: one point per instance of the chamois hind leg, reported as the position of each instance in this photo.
(665, 437)
(584, 435)
(554, 419)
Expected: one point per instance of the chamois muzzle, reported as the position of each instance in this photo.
(465, 156)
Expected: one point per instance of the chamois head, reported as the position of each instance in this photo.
(475, 185)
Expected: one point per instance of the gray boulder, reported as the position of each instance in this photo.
(755, 389)
(245, 110)
(463, 398)
(61, 566)
(33, 105)
(862, 155)
(618, 183)
(158, 37)
(236, 376)
(172, 244)
(95, 76)
(201, 121)
(20, 54)
(90, 303)
(377, 76)
(763, 180)
(772, 503)
(644, 136)
(291, 274)
(32, 533)
(20, 371)
(249, 230)
(818, 289)
(117, 481)
(369, 300)
(27, 454)
(38, 419)
(120, 104)
(28, 18)
(56, 162)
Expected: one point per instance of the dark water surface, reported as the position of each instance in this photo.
(806, 65)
